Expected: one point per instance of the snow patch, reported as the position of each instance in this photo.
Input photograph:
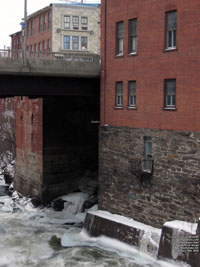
(127, 221)
(181, 225)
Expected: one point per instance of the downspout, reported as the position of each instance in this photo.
(105, 74)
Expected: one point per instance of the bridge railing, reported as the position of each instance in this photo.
(7, 53)
(67, 56)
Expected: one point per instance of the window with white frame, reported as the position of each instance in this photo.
(84, 43)
(66, 42)
(132, 36)
(171, 25)
(120, 38)
(170, 93)
(66, 22)
(75, 42)
(84, 23)
(132, 94)
(119, 94)
(75, 22)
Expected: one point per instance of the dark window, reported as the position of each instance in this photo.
(44, 23)
(75, 22)
(66, 42)
(132, 94)
(120, 38)
(147, 153)
(40, 24)
(27, 29)
(49, 21)
(32, 27)
(75, 42)
(84, 43)
(132, 35)
(66, 22)
(44, 46)
(49, 46)
(171, 25)
(39, 47)
(119, 94)
(170, 93)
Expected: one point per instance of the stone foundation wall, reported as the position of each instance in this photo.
(175, 190)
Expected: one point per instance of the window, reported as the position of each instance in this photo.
(132, 36)
(49, 21)
(147, 153)
(44, 46)
(49, 46)
(84, 20)
(119, 94)
(84, 23)
(32, 27)
(75, 22)
(66, 22)
(44, 23)
(40, 24)
(75, 42)
(170, 93)
(132, 94)
(27, 31)
(120, 38)
(35, 47)
(66, 42)
(84, 43)
(39, 47)
(171, 25)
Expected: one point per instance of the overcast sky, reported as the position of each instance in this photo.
(12, 11)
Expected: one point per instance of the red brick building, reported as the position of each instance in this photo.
(150, 93)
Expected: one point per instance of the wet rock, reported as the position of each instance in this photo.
(58, 204)
(93, 200)
(88, 183)
(8, 178)
(36, 202)
(55, 242)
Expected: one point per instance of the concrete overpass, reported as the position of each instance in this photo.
(56, 97)
(50, 64)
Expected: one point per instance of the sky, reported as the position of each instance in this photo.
(12, 12)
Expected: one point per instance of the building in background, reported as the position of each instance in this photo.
(61, 28)
(150, 95)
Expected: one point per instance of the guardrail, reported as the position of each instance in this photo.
(67, 56)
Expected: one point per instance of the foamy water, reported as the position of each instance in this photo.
(32, 237)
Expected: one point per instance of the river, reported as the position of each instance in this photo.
(32, 236)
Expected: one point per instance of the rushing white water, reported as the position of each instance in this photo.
(32, 237)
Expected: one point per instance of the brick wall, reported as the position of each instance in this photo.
(29, 143)
(151, 65)
(175, 189)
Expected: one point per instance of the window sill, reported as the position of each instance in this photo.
(75, 30)
(170, 109)
(118, 107)
(131, 108)
(119, 55)
(132, 54)
(170, 49)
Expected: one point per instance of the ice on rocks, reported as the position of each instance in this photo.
(181, 225)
